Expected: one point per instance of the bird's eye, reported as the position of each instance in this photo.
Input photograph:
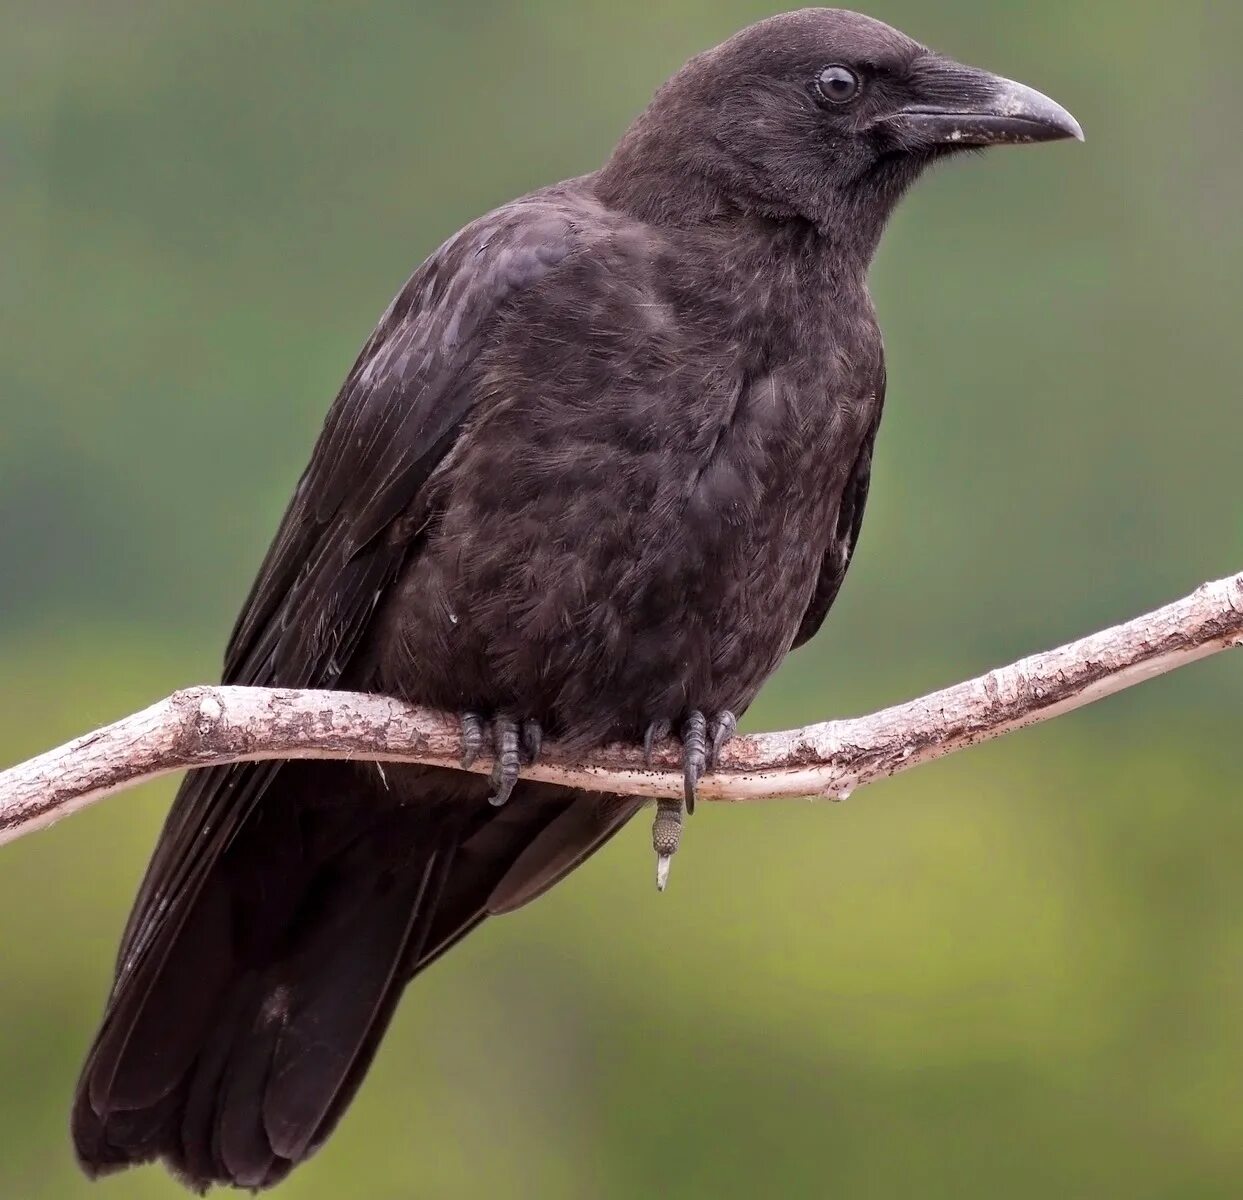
(838, 84)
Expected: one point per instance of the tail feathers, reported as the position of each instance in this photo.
(312, 1068)
(233, 1074)
(233, 1045)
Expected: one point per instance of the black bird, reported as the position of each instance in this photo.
(600, 467)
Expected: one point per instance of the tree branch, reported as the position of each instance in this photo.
(207, 726)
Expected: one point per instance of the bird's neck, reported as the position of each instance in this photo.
(841, 228)
(671, 173)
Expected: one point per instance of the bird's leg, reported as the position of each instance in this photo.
(702, 741)
(512, 742)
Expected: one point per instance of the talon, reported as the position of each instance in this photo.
(694, 755)
(532, 740)
(657, 731)
(721, 728)
(505, 772)
(663, 863)
(472, 739)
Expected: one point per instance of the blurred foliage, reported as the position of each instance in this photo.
(1016, 973)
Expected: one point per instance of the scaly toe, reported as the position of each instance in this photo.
(472, 739)
(505, 738)
(721, 728)
(666, 837)
(694, 755)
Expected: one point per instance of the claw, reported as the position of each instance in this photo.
(657, 731)
(505, 772)
(663, 863)
(694, 755)
(472, 738)
(721, 728)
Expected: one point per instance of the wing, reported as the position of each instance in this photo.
(334, 555)
(846, 533)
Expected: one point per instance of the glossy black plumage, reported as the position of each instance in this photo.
(602, 464)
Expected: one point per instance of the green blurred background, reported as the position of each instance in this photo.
(1016, 973)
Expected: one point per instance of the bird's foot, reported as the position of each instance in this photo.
(512, 742)
(702, 740)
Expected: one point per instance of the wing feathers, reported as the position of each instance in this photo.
(195, 1043)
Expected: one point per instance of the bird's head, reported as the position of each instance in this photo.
(821, 114)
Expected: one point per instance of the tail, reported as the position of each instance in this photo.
(233, 1052)
(233, 1048)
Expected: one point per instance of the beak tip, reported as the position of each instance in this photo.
(1069, 127)
(1023, 101)
(1020, 101)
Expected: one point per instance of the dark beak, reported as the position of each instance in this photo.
(961, 106)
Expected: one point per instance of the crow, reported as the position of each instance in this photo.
(600, 467)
